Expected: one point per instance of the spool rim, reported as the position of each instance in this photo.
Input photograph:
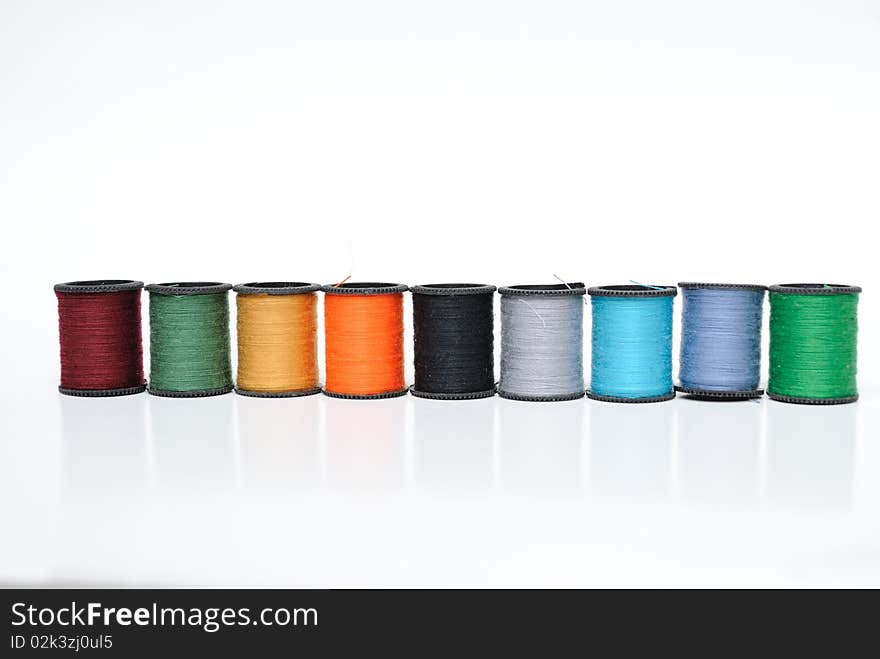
(523, 290)
(103, 393)
(470, 395)
(743, 394)
(364, 288)
(632, 290)
(453, 289)
(621, 399)
(540, 399)
(733, 287)
(189, 288)
(250, 393)
(800, 400)
(384, 394)
(276, 288)
(198, 393)
(99, 286)
(815, 289)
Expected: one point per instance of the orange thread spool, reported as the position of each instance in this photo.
(363, 330)
(277, 339)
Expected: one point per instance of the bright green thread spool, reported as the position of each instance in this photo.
(189, 339)
(813, 336)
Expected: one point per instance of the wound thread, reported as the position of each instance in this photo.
(277, 339)
(542, 342)
(453, 341)
(363, 332)
(189, 339)
(632, 343)
(721, 339)
(813, 343)
(99, 332)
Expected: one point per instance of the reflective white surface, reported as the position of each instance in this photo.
(323, 492)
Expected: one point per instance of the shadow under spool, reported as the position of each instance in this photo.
(280, 289)
(633, 291)
(453, 341)
(81, 347)
(365, 361)
(712, 394)
(526, 291)
(815, 333)
(158, 335)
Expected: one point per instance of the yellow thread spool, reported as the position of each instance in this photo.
(277, 339)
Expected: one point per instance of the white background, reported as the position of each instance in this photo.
(416, 142)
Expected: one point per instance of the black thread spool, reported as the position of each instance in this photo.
(453, 336)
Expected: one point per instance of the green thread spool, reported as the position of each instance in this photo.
(813, 333)
(189, 339)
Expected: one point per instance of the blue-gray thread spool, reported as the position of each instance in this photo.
(720, 353)
(542, 342)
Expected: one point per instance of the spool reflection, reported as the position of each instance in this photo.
(719, 451)
(279, 443)
(104, 449)
(453, 446)
(631, 450)
(810, 454)
(193, 442)
(365, 445)
(541, 448)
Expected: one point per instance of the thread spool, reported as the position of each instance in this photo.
(99, 332)
(453, 341)
(189, 339)
(813, 343)
(542, 342)
(277, 339)
(720, 356)
(363, 339)
(632, 343)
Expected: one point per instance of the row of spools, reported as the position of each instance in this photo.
(813, 335)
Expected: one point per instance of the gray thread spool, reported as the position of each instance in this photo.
(542, 342)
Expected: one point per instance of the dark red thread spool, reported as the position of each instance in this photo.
(99, 329)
